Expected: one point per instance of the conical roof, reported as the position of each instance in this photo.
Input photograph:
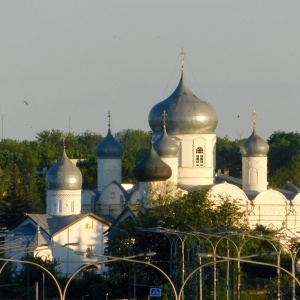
(165, 146)
(109, 147)
(152, 168)
(187, 114)
(64, 175)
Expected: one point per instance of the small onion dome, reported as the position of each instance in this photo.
(152, 168)
(187, 114)
(109, 147)
(254, 146)
(165, 146)
(64, 175)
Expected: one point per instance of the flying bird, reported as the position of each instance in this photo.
(26, 102)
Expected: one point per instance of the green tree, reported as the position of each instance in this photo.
(284, 150)
(13, 204)
(228, 156)
(136, 144)
(88, 168)
(187, 214)
(30, 274)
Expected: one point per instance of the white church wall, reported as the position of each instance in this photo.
(87, 201)
(88, 232)
(293, 214)
(255, 173)
(111, 200)
(229, 191)
(108, 170)
(172, 162)
(270, 209)
(188, 172)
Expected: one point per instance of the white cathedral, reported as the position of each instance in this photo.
(183, 152)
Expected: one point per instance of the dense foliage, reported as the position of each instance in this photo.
(284, 158)
(23, 166)
(190, 213)
(228, 156)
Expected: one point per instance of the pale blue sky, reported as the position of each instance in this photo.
(85, 58)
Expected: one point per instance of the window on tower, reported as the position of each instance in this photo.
(199, 157)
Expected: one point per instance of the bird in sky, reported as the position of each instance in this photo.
(26, 102)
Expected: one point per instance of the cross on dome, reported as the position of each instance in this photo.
(182, 60)
(109, 119)
(165, 116)
(254, 118)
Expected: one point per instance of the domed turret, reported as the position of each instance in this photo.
(64, 175)
(187, 114)
(109, 147)
(152, 168)
(109, 159)
(254, 145)
(254, 162)
(164, 145)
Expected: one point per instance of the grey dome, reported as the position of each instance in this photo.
(165, 146)
(109, 147)
(187, 114)
(254, 146)
(152, 168)
(64, 175)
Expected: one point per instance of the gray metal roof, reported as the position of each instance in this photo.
(165, 146)
(186, 113)
(54, 224)
(109, 147)
(152, 168)
(254, 146)
(64, 175)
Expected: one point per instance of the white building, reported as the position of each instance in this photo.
(63, 231)
(185, 120)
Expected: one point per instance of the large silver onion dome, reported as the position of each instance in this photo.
(64, 175)
(254, 146)
(187, 114)
(165, 146)
(152, 168)
(109, 147)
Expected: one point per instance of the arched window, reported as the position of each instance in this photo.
(199, 157)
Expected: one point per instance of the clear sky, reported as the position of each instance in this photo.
(65, 64)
